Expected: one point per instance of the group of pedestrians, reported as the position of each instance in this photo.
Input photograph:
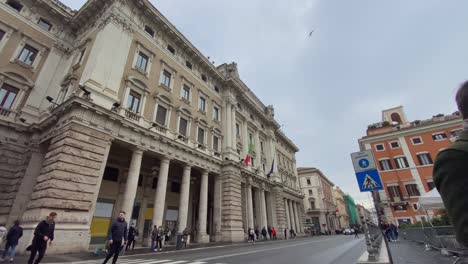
(266, 233)
(391, 231)
(43, 236)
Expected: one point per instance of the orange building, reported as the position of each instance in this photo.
(404, 153)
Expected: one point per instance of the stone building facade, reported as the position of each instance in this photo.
(319, 204)
(341, 212)
(111, 108)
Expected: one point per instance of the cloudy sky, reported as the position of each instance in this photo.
(363, 56)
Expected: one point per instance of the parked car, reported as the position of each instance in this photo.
(348, 232)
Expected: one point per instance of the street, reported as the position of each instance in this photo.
(324, 250)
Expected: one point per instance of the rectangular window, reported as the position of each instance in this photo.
(216, 89)
(171, 49)
(204, 78)
(142, 61)
(15, 5)
(161, 115)
(215, 113)
(185, 92)
(149, 30)
(424, 159)
(166, 78)
(310, 193)
(395, 144)
(379, 147)
(261, 147)
(188, 64)
(183, 126)
(202, 104)
(395, 193)
(238, 134)
(7, 96)
(412, 189)
(401, 162)
(44, 24)
(309, 182)
(215, 143)
(175, 187)
(385, 165)
(431, 185)
(312, 205)
(454, 133)
(2, 34)
(28, 54)
(133, 101)
(201, 136)
(439, 136)
(416, 140)
(111, 174)
(251, 138)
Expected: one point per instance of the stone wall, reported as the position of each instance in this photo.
(277, 194)
(68, 184)
(231, 207)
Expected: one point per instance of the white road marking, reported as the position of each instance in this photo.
(260, 250)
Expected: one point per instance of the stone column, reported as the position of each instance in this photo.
(141, 214)
(228, 126)
(261, 193)
(233, 127)
(296, 218)
(250, 219)
(258, 156)
(160, 196)
(132, 183)
(288, 217)
(203, 209)
(217, 204)
(291, 215)
(184, 199)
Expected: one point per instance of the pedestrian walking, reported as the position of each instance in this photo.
(117, 234)
(270, 232)
(186, 234)
(356, 232)
(285, 233)
(450, 170)
(264, 233)
(166, 235)
(154, 236)
(43, 234)
(159, 238)
(251, 235)
(273, 232)
(257, 233)
(132, 233)
(12, 238)
(394, 232)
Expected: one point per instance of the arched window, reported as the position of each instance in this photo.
(396, 118)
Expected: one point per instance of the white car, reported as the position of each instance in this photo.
(348, 231)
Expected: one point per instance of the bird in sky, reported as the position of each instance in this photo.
(310, 34)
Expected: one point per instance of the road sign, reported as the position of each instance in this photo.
(369, 180)
(363, 161)
(366, 171)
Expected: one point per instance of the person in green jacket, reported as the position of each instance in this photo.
(451, 173)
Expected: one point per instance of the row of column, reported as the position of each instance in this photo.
(262, 212)
(160, 195)
(292, 216)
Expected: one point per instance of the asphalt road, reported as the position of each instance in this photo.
(319, 250)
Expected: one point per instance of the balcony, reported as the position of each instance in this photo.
(5, 112)
(399, 201)
(311, 199)
(159, 128)
(132, 115)
(313, 210)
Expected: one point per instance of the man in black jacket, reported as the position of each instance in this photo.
(12, 239)
(43, 233)
(132, 233)
(117, 234)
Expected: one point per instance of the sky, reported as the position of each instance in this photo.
(363, 56)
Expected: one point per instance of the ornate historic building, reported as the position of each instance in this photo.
(111, 108)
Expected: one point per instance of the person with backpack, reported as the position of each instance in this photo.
(264, 233)
(12, 238)
(43, 234)
(118, 232)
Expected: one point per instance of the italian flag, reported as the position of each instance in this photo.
(248, 158)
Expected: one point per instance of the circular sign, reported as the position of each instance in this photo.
(363, 163)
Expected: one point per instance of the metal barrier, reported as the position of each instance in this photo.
(373, 236)
(440, 237)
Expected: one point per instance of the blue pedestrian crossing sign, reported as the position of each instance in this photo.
(369, 180)
(367, 175)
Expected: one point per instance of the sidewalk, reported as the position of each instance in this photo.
(406, 252)
(66, 258)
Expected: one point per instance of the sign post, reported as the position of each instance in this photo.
(367, 175)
